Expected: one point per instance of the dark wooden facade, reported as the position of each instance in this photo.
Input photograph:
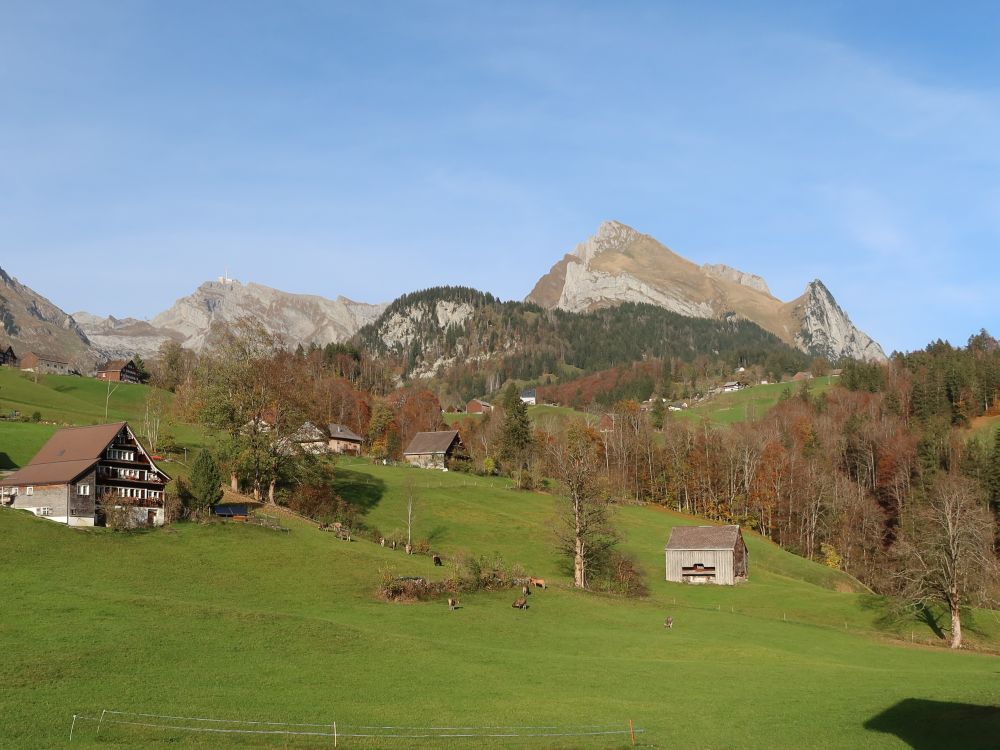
(119, 371)
(8, 358)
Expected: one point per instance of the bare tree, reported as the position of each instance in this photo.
(946, 551)
(152, 417)
(584, 529)
(411, 502)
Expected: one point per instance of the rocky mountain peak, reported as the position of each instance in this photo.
(827, 330)
(610, 236)
(620, 264)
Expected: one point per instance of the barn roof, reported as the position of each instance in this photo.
(339, 432)
(67, 455)
(703, 537)
(115, 365)
(431, 442)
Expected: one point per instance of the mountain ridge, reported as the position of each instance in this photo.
(619, 264)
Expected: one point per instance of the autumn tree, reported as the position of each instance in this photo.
(584, 531)
(946, 552)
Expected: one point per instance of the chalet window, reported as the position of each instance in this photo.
(29, 491)
(83, 489)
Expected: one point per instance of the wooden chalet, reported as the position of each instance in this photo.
(45, 364)
(81, 471)
(119, 371)
(706, 554)
(477, 406)
(343, 440)
(530, 396)
(435, 450)
(8, 358)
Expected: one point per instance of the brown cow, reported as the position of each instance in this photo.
(537, 582)
(521, 603)
(436, 559)
(452, 604)
(525, 591)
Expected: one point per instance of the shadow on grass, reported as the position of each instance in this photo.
(929, 725)
(5, 463)
(361, 490)
(894, 614)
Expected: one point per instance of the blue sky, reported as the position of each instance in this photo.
(371, 149)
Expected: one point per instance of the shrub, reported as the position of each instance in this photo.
(618, 573)
(36, 416)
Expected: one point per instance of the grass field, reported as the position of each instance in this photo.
(67, 400)
(749, 403)
(241, 622)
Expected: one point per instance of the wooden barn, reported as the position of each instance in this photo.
(435, 450)
(707, 554)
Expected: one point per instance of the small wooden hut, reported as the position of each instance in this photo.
(707, 554)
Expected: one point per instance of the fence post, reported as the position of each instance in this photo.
(72, 726)
(631, 731)
(100, 721)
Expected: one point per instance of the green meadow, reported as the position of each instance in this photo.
(748, 403)
(231, 621)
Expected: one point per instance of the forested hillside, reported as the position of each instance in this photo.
(473, 342)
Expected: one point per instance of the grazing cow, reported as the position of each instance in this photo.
(437, 560)
(452, 603)
(537, 582)
(525, 591)
(409, 549)
(393, 545)
(381, 540)
(521, 603)
(669, 623)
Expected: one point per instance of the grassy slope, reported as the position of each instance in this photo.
(727, 408)
(241, 622)
(67, 400)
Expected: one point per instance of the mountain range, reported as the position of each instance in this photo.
(617, 265)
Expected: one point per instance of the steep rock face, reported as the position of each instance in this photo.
(295, 318)
(196, 320)
(827, 330)
(123, 338)
(30, 322)
(619, 264)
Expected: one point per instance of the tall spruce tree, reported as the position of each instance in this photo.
(515, 434)
(206, 481)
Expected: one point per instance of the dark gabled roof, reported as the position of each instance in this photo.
(339, 432)
(68, 454)
(703, 537)
(47, 358)
(431, 442)
(115, 365)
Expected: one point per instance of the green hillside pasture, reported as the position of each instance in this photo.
(749, 403)
(238, 622)
(19, 441)
(69, 400)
